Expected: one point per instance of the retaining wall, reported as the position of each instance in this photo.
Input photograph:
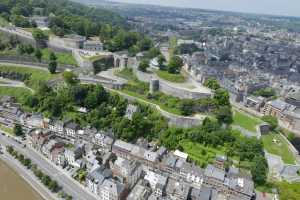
(170, 89)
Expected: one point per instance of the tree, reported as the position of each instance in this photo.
(144, 64)
(186, 107)
(145, 44)
(53, 185)
(222, 97)
(272, 121)
(291, 136)
(52, 57)
(31, 101)
(224, 114)
(18, 131)
(27, 163)
(39, 35)
(70, 78)
(161, 60)
(52, 66)
(153, 52)
(38, 54)
(212, 84)
(265, 92)
(175, 65)
(259, 170)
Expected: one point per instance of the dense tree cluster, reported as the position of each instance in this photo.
(212, 134)
(212, 84)
(265, 92)
(117, 39)
(66, 16)
(106, 110)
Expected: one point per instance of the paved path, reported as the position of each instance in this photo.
(69, 185)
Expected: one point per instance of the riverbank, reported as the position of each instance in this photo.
(13, 186)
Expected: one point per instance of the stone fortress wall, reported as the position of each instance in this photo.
(170, 89)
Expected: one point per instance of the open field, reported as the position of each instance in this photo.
(275, 144)
(176, 78)
(288, 191)
(36, 75)
(169, 109)
(18, 93)
(62, 58)
(199, 153)
(6, 129)
(245, 121)
(3, 22)
(126, 73)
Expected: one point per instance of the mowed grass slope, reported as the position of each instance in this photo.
(18, 93)
(62, 58)
(36, 75)
(275, 144)
(245, 121)
(176, 78)
(199, 153)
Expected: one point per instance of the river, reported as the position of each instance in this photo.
(13, 187)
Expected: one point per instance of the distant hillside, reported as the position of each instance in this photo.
(66, 16)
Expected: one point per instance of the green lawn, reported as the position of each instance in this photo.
(245, 121)
(288, 191)
(3, 22)
(62, 58)
(37, 75)
(126, 73)
(162, 106)
(275, 144)
(19, 93)
(199, 153)
(176, 78)
(6, 129)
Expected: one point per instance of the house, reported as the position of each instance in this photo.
(157, 182)
(214, 176)
(122, 149)
(255, 102)
(204, 193)
(220, 161)
(91, 161)
(37, 138)
(57, 154)
(103, 141)
(112, 190)
(192, 174)
(56, 126)
(96, 178)
(276, 108)
(47, 147)
(139, 192)
(35, 120)
(177, 190)
(71, 129)
(73, 154)
(131, 170)
(93, 45)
